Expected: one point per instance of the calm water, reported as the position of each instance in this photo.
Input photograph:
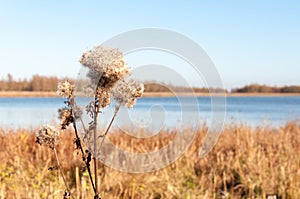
(157, 112)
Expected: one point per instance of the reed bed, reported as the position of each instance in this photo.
(245, 163)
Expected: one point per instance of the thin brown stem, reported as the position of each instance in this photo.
(61, 173)
(97, 105)
(81, 121)
(78, 143)
(117, 108)
(72, 104)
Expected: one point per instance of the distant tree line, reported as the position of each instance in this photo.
(36, 83)
(45, 83)
(156, 87)
(257, 88)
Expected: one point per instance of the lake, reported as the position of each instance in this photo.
(158, 112)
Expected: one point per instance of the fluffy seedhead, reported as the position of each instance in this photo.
(48, 136)
(65, 116)
(65, 89)
(127, 91)
(105, 99)
(106, 66)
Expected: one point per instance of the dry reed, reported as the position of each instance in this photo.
(245, 163)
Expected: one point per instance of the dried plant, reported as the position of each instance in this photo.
(109, 77)
(49, 136)
(248, 162)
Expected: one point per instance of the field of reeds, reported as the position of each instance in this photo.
(245, 163)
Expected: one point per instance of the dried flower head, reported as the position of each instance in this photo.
(105, 99)
(127, 91)
(106, 66)
(65, 116)
(48, 136)
(65, 89)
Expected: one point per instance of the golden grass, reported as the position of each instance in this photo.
(245, 163)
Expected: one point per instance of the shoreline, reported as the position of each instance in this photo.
(17, 94)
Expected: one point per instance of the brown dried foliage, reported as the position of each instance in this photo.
(245, 163)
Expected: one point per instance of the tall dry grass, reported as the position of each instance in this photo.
(245, 163)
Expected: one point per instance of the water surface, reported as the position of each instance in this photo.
(156, 112)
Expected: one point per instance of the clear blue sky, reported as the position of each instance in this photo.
(249, 41)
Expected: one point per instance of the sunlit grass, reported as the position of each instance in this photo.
(246, 163)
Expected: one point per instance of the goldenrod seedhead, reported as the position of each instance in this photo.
(65, 116)
(65, 89)
(106, 66)
(48, 136)
(127, 91)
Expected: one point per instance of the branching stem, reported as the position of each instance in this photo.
(78, 142)
(97, 104)
(117, 108)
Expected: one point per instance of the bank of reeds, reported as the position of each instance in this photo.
(245, 163)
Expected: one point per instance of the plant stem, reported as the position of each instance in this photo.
(110, 123)
(61, 172)
(97, 105)
(78, 141)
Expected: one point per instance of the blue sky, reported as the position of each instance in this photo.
(249, 41)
